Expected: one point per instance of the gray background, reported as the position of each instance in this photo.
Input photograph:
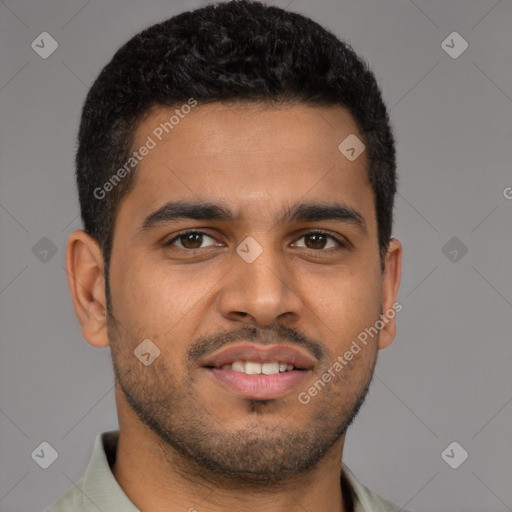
(447, 375)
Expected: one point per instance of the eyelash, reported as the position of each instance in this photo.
(341, 245)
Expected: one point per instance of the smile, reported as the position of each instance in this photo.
(255, 368)
(261, 372)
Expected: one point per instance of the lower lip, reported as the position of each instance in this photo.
(259, 387)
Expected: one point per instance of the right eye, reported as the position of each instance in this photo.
(191, 240)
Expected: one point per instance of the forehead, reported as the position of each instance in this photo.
(251, 157)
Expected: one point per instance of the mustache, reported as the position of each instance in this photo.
(271, 336)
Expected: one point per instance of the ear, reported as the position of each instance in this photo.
(86, 279)
(390, 285)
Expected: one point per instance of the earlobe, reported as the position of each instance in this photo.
(85, 272)
(390, 286)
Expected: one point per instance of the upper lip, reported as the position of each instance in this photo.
(261, 354)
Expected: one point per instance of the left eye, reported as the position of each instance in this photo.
(319, 238)
(315, 240)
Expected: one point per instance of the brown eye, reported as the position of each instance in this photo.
(190, 240)
(317, 240)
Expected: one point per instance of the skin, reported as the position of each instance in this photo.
(256, 161)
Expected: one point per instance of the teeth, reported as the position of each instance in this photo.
(270, 368)
(254, 368)
(238, 366)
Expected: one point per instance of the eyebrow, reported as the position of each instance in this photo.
(175, 211)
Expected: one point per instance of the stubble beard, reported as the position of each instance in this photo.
(197, 445)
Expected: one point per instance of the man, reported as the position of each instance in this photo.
(236, 174)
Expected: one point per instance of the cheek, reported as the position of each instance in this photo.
(137, 297)
(157, 301)
(347, 306)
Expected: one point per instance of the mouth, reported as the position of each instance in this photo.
(259, 372)
(256, 368)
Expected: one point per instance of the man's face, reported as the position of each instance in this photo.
(214, 293)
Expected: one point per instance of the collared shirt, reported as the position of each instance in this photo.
(98, 489)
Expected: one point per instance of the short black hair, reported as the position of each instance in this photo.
(228, 51)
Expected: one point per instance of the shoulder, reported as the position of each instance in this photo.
(71, 501)
(365, 499)
(97, 485)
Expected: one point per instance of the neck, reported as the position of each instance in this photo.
(155, 477)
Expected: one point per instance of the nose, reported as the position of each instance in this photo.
(262, 291)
